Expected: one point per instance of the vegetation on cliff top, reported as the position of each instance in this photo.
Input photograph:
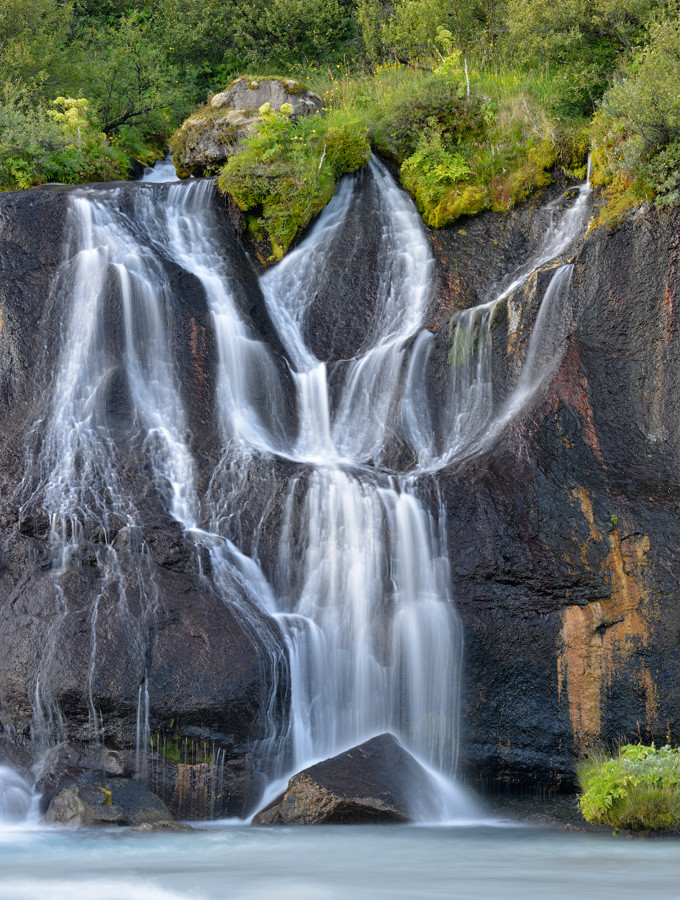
(476, 100)
(285, 173)
(639, 789)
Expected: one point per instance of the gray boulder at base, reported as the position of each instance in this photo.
(375, 782)
(69, 761)
(108, 801)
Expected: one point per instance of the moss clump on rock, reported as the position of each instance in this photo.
(211, 135)
(285, 173)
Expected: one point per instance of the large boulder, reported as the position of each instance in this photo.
(107, 801)
(249, 93)
(376, 782)
(208, 137)
(67, 762)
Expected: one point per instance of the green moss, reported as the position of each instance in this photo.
(286, 173)
(463, 346)
(532, 171)
(622, 196)
(180, 750)
(572, 144)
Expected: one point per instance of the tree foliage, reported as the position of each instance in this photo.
(58, 142)
(636, 131)
(585, 41)
(406, 29)
(125, 75)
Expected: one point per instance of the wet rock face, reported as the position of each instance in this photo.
(132, 625)
(565, 563)
(339, 316)
(31, 250)
(478, 252)
(562, 537)
(372, 783)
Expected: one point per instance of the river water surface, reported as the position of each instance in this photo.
(326, 863)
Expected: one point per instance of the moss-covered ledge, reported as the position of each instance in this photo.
(278, 157)
(285, 173)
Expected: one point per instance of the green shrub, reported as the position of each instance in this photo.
(583, 41)
(460, 155)
(56, 143)
(474, 154)
(636, 130)
(436, 105)
(639, 789)
(285, 174)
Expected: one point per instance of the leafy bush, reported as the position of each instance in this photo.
(406, 29)
(39, 144)
(437, 105)
(639, 789)
(285, 173)
(458, 154)
(636, 131)
(210, 41)
(471, 154)
(584, 41)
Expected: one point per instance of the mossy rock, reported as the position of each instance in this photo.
(205, 140)
(211, 135)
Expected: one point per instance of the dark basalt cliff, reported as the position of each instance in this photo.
(564, 542)
(202, 669)
(564, 545)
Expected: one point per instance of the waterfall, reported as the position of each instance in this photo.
(362, 579)
(360, 585)
(472, 419)
(18, 801)
(115, 424)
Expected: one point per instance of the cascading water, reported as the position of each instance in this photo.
(472, 420)
(83, 464)
(374, 637)
(361, 586)
(18, 801)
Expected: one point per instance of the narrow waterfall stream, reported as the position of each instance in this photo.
(361, 584)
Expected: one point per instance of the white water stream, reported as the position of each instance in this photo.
(361, 586)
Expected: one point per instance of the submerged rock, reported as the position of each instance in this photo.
(162, 826)
(208, 137)
(375, 782)
(110, 801)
